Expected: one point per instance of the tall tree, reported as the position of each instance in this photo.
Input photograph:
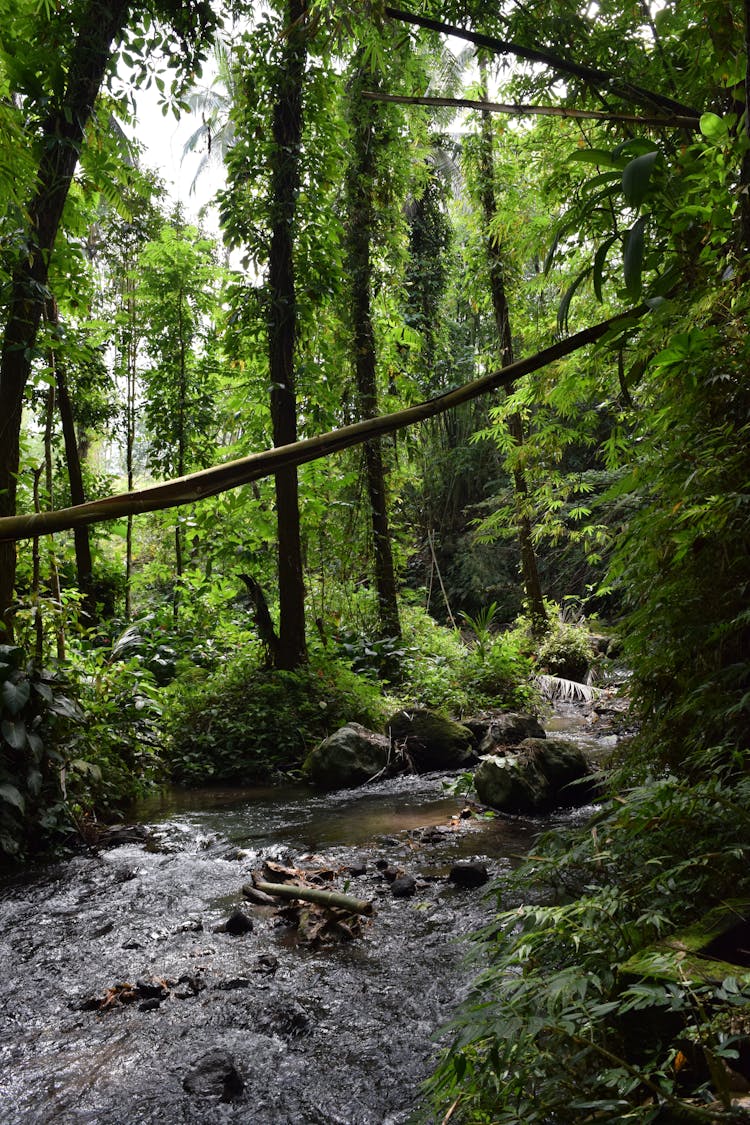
(361, 223)
(78, 46)
(501, 311)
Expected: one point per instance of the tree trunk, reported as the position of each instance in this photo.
(282, 329)
(82, 546)
(100, 22)
(361, 222)
(529, 569)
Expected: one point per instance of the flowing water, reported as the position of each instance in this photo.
(319, 1036)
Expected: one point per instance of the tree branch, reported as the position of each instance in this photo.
(221, 478)
(676, 121)
(591, 75)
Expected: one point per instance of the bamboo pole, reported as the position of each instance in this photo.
(515, 109)
(221, 478)
(317, 895)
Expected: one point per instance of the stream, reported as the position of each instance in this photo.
(341, 1034)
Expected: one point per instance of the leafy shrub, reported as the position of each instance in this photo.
(375, 656)
(37, 716)
(498, 673)
(246, 723)
(549, 1032)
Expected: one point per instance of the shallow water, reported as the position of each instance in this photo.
(337, 1035)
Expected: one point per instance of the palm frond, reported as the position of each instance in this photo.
(565, 691)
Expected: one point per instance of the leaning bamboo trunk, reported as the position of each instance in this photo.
(333, 899)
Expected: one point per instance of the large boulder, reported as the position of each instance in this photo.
(509, 730)
(536, 776)
(430, 742)
(349, 757)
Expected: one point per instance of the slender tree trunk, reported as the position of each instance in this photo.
(181, 444)
(100, 22)
(529, 569)
(54, 573)
(82, 545)
(361, 222)
(282, 329)
(131, 354)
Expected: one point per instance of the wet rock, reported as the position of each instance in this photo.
(509, 730)
(236, 924)
(284, 1017)
(356, 870)
(231, 983)
(151, 1004)
(390, 874)
(151, 989)
(536, 776)
(351, 756)
(191, 926)
(404, 886)
(381, 864)
(473, 874)
(214, 1075)
(427, 741)
(267, 963)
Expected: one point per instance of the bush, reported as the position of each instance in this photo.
(566, 650)
(555, 1030)
(244, 724)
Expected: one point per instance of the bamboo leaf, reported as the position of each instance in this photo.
(598, 268)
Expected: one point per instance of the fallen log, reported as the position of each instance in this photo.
(333, 899)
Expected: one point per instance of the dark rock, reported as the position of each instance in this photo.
(107, 928)
(285, 1017)
(390, 874)
(357, 869)
(232, 983)
(404, 886)
(381, 864)
(266, 963)
(151, 989)
(351, 756)
(427, 741)
(214, 1075)
(238, 923)
(509, 730)
(473, 874)
(151, 1004)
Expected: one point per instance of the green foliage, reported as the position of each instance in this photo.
(566, 650)
(246, 724)
(38, 762)
(555, 1029)
(375, 656)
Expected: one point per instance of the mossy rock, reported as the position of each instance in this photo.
(350, 757)
(707, 952)
(430, 741)
(538, 775)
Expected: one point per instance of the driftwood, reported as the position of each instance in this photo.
(334, 900)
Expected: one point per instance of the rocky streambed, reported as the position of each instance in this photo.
(251, 1026)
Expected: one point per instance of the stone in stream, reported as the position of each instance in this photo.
(214, 1075)
(509, 730)
(404, 886)
(472, 874)
(536, 776)
(351, 756)
(427, 741)
(236, 924)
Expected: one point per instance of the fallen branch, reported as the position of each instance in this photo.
(335, 900)
(221, 478)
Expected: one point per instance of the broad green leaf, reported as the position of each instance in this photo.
(633, 258)
(12, 796)
(598, 156)
(599, 260)
(15, 696)
(636, 177)
(14, 733)
(714, 128)
(564, 309)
